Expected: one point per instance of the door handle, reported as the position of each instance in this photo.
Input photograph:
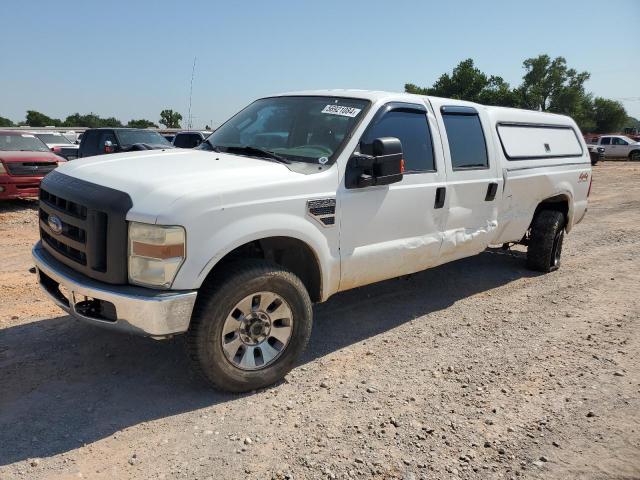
(441, 193)
(492, 189)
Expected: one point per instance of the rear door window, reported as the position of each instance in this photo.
(466, 138)
(606, 141)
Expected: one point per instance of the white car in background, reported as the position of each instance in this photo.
(58, 143)
(619, 146)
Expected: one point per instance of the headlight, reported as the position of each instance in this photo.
(156, 253)
(2, 169)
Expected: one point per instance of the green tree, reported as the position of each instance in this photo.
(37, 119)
(110, 122)
(142, 123)
(610, 116)
(90, 120)
(632, 122)
(467, 82)
(170, 119)
(5, 122)
(550, 85)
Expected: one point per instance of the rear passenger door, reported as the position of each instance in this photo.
(474, 182)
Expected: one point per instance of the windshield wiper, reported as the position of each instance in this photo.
(254, 151)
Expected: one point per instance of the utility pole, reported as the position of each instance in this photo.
(193, 70)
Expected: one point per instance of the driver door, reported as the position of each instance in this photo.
(391, 230)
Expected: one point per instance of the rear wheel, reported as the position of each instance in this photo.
(249, 326)
(545, 242)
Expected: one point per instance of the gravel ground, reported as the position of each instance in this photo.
(476, 369)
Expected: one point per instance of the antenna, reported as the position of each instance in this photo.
(193, 70)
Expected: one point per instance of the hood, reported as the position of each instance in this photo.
(18, 156)
(156, 179)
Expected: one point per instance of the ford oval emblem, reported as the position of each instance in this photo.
(55, 224)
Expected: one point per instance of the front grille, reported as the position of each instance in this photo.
(66, 250)
(67, 206)
(30, 168)
(83, 225)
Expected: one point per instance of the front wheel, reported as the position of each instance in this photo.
(635, 155)
(545, 242)
(249, 326)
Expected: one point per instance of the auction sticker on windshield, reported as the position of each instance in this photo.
(341, 110)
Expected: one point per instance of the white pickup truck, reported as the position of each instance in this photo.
(293, 199)
(618, 146)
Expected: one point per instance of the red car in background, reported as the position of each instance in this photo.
(24, 161)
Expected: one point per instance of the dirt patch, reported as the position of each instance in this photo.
(476, 369)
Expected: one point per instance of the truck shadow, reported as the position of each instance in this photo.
(18, 205)
(64, 384)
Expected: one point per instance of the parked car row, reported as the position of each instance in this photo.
(27, 156)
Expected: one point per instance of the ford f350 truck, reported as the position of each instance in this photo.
(293, 199)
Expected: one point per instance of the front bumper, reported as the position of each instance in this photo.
(19, 187)
(143, 311)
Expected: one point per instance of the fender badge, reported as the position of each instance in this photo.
(584, 176)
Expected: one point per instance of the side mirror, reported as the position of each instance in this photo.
(384, 167)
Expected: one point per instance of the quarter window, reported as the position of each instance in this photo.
(466, 140)
(412, 129)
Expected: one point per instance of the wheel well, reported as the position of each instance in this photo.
(633, 151)
(290, 253)
(558, 203)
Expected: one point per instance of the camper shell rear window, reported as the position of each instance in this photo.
(522, 141)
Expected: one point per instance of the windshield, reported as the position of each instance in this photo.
(627, 139)
(52, 138)
(23, 142)
(130, 137)
(308, 129)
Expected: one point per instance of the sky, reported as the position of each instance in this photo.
(132, 59)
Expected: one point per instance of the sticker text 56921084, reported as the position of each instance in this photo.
(341, 110)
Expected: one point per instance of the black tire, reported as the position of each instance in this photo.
(216, 301)
(635, 155)
(545, 241)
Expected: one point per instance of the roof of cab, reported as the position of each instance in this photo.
(498, 114)
(372, 95)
